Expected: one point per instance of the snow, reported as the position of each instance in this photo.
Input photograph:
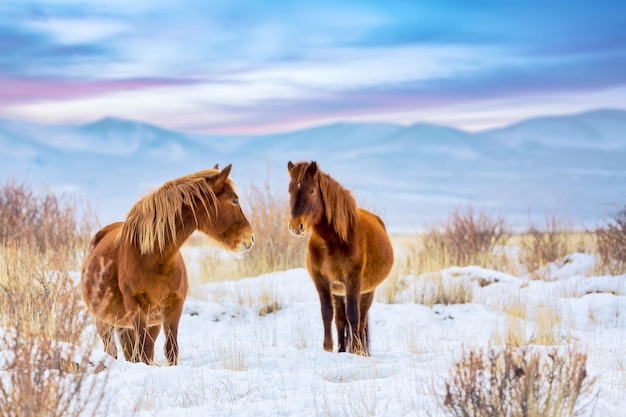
(237, 361)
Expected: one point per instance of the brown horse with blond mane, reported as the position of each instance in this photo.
(348, 256)
(134, 278)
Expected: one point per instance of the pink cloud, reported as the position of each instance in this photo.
(17, 91)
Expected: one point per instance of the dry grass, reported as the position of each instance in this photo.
(611, 244)
(547, 325)
(41, 315)
(428, 289)
(541, 245)
(231, 354)
(511, 382)
(466, 238)
(432, 289)
(514, 328)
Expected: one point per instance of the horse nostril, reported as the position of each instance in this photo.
(252, 239)
(301, 226)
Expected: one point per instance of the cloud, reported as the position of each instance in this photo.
(241, 64)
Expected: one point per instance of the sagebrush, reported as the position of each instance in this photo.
(45, 372)
(519, 382)
(611, 244)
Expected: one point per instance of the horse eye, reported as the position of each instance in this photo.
(235, 202)
(311, 192)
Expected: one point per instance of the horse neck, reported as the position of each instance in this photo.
(185, 225)
(326, 230)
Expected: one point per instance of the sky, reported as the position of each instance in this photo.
(245, 66)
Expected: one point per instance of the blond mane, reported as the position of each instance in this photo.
(152, 220)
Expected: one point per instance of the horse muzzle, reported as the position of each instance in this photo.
(299, 230)
(247, 245)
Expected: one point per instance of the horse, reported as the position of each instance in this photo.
(134, 279)
(349, 253)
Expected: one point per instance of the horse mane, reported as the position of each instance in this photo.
(339, 203)
(153, 218)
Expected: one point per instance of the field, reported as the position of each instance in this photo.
(527, 323)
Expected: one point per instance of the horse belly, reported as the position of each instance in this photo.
(330, 267)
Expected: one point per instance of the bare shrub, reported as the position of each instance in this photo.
(465, 239)
(41, 319)
(544, 244)
(275, 249)
(45, 373)
(512, 382)
(44, 219)
(611, 244)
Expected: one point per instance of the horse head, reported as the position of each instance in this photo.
(307, 206)
(228, 224)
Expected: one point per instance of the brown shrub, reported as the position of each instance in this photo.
(42, 318)
(45, 372)
(465, 239)
(611, 244)
(524, 382)
(43, 219)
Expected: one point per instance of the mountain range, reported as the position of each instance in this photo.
(573, 165)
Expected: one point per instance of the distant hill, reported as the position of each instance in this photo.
(599, 129)
(412, 174)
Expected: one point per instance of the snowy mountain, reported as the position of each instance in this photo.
(412, 175)
(594, 130)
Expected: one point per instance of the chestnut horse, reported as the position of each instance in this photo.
(348, 256)
(134, 278)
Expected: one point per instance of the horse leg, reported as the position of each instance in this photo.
(106, 333)
(145, 342)
(326, 306)
(128, 340)
(340, 321)
(353, 301)
(170, 327)
(364, 327)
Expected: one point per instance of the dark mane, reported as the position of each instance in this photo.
(340, 206)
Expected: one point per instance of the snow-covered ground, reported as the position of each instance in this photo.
(238, 359)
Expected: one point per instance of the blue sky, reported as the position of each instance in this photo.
(258, 66)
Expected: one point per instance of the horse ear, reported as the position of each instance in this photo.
(312, 169)
(217, 166)
(221, 178)
(290, 166)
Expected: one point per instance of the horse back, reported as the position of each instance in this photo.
(368, 249)
(376, 249)
(100, 234)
